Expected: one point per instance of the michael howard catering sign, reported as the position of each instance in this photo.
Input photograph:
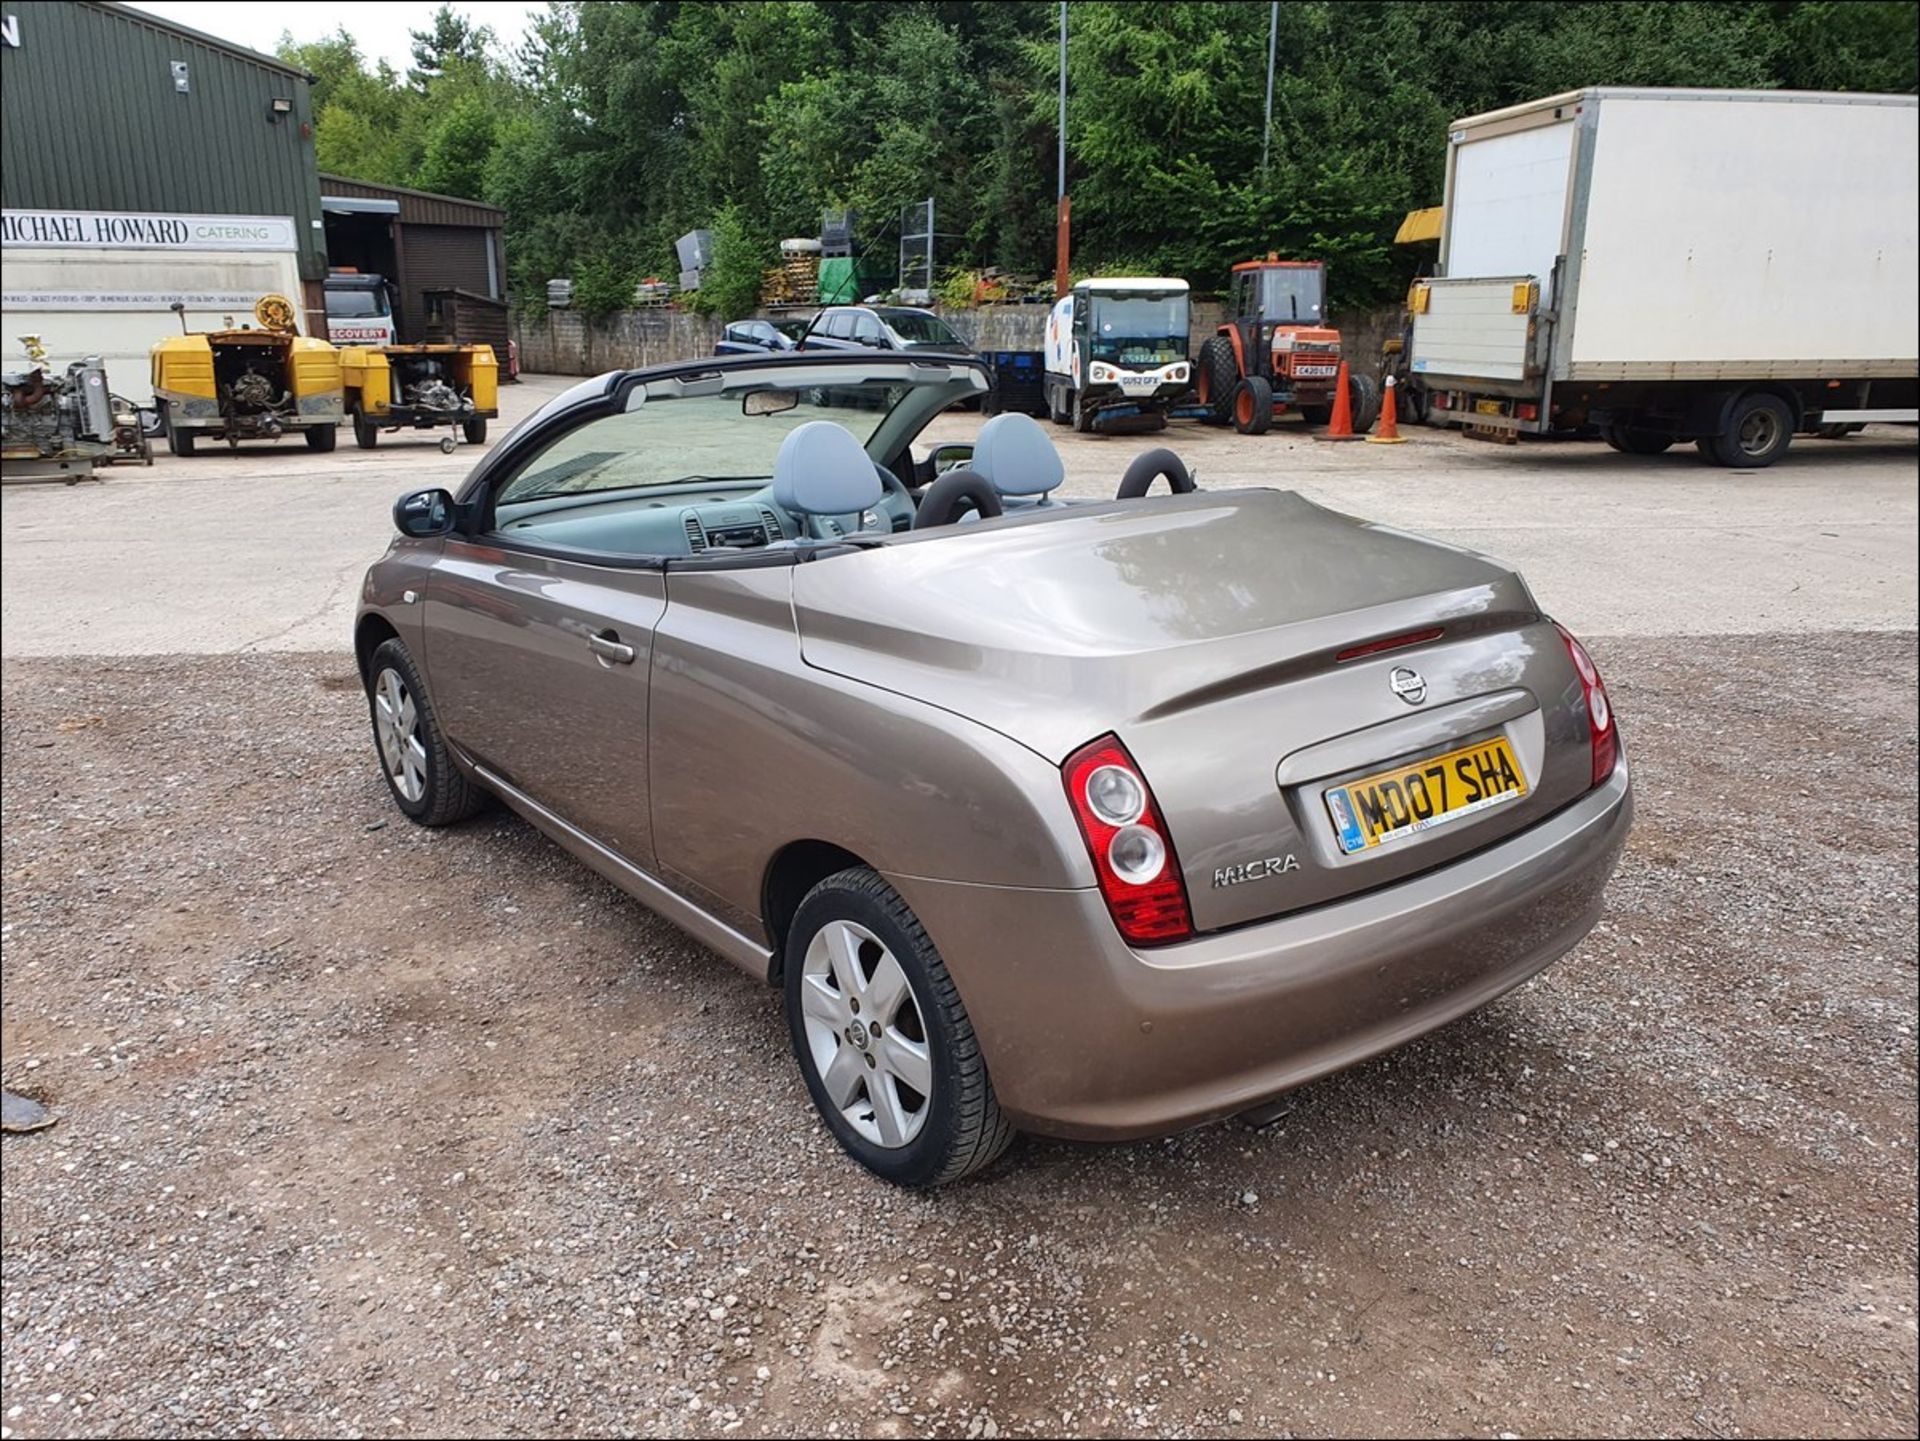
(119, 230)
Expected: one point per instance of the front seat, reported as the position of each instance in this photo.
(1016, 456)
(826, 478)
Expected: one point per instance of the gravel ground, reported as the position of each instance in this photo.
(369, 1130)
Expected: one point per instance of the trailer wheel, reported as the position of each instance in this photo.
(179, 441)
(475, 430)
(1215, 376)
(1253, 406)
(321, 437)
(1759, 429)
(366, 432)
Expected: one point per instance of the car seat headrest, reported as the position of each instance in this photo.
(1016, 456)
(822, 470)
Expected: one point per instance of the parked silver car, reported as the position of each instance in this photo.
(1100, 819)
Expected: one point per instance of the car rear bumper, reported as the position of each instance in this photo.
(1090, 1039)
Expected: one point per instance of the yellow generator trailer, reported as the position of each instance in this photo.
(249, 383)
(421, 387)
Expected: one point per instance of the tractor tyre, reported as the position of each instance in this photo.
(1253, 406)
(1215, 378)
(1363, 398)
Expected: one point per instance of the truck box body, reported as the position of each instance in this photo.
(1614, 236)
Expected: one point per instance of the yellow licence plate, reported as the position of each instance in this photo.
(1413, 798)
(1489, 407)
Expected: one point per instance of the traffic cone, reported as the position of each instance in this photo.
(1388, 431)
(1340, 427)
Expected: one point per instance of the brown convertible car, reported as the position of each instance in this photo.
(1094, 818)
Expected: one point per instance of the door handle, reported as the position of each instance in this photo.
(608, 647)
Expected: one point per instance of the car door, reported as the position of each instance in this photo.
(538, 655)
(868, 332)
(831, 331)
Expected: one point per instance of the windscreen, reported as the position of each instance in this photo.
(1291, 292)
(348, 304)
(1144, 329)
(672, 441)
(916, 329)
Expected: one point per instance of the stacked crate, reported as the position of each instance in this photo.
(796, 279)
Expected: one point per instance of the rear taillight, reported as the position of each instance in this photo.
(1127, 838)
(1600, 725)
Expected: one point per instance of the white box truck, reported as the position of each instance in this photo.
(1730, 267)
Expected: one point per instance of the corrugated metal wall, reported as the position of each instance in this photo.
(419, 207)
(90, 120)
(454, 255)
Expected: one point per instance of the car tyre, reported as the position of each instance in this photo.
(322, 437)
(856, 954)
(366, 431)
(414, 756)
(475, 430)
(1759, 429)
(1253, 406)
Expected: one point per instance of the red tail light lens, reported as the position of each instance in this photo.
(1127, 839)
(1600, 722)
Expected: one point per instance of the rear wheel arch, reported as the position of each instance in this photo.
(796, 868)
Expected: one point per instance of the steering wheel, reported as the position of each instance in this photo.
(1148, 468)
(892, 489)
(941, 502)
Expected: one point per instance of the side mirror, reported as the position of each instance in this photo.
(946, 457)
(423, 513)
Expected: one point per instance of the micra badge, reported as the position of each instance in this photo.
(1254, 870)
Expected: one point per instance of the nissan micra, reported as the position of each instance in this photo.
(1099, 819)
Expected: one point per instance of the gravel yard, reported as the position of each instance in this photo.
(370, 1130)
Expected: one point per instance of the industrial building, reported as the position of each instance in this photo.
(144, 164)
(443, 254)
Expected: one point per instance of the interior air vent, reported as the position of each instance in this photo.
(696, 537)
(773, 525)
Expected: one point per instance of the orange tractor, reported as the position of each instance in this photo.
(1273, 352)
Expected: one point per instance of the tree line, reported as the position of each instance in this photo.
(612, 128)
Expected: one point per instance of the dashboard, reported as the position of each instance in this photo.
(688, 519)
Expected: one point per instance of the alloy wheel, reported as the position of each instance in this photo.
(1759, 431)
(865, 1034)
(397, 725)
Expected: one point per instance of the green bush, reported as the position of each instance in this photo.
(730, 285)
(603, 285)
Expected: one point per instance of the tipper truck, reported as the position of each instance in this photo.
(1726, 267)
